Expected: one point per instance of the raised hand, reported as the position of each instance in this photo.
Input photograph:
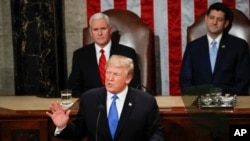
(58, 115)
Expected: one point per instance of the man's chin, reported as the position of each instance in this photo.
(215, 31)
(111, 91)
(101, 42)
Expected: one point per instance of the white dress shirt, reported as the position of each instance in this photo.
(217, 41)
(119, 102)
(106, 51)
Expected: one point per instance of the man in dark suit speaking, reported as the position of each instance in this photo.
(87, 71)
(218, 58)
(115, 112)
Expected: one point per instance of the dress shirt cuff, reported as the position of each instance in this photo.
(58, 131)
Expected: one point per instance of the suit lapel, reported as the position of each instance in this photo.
(92, 55)
(221, 50)
(95, 70)
(112, 49)
(207, 64)
(103, 124)
(127, 108)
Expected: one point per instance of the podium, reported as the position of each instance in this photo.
(24, 116)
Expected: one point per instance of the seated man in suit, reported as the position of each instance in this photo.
(135, 113)
(87, 72)
(217, 59)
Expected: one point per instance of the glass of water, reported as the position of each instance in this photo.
(66, 96)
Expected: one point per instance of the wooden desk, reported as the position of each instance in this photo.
(24, 118)
(186, 123)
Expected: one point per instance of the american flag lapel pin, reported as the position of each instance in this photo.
(130, 104)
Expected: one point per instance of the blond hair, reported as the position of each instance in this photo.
(121, 61)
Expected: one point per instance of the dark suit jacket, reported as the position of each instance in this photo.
(139, 120)
(232, 68)
(85, 74)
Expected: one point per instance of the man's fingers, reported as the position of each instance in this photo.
(68, 112)
(49, 114)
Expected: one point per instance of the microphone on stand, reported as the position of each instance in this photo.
(100, 109)
(141, 87)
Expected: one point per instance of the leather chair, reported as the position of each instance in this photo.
(240, 27)
(129, 29)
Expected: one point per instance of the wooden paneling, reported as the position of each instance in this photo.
(24, 130)
(180, 123)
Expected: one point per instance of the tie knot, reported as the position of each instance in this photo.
(101, 51)
(213, 43)
(114, 97)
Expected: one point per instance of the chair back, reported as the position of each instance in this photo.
(128, 29)
(240, 27)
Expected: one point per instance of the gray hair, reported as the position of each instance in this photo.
(99, 16)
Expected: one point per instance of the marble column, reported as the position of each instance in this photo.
(6, 50)
(39, 48)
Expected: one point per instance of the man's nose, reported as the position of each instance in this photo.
(215, 21)
(100, 32)
(111, 77)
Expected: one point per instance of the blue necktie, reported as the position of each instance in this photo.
(213, 54)
(113, 116)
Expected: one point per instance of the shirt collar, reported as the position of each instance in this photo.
(106, 48)
(217, 40)
(121, 95)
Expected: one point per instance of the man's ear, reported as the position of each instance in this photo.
(90, 33)
(226, 24)
(129, 78)
(205, 18)
(110, 30)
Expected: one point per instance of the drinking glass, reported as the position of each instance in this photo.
(66, 96)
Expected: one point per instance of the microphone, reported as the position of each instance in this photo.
(141, 87)
(100, 109)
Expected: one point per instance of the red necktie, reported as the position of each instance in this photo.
(102, 63)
